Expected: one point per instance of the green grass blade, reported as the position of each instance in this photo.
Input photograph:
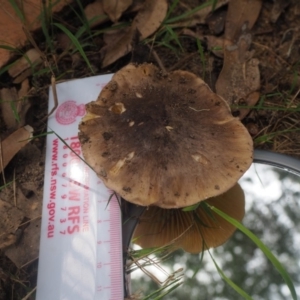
(262, 247)
(10, 48)
(13, 50)
(42, 135)
(172, 7)
(5, 185)
(191, 207)
(174, 36)
(6, 68)
(189, 13)
(176, 283)
(229, 281)
(68, 146)
(76, 43)
(269, 136)
(17, 10)
(49, 40)
(214, 4)
(15, 112)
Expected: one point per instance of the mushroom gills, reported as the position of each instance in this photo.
(193, 231)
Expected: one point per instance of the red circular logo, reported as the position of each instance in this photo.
(67, 112)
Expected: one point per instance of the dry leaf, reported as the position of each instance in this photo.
(28, 247)
(150, 17)
(145, 23)
(278, 7)
(24, 89)
(64, 42)
(13, 144)
(115, 8)
(11, 30)
(27, 193)
(199, 17)
(214, 43)
(239, 80)
(11, 218)
(112, 36)
(241, 15)
(14, 106)
(30, 58)
(136, 6)
(120, 47)
(8, 102)
(216, 21)
(94, 11)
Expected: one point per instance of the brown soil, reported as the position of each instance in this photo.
(273, 124)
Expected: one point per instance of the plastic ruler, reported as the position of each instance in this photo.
(81, 233)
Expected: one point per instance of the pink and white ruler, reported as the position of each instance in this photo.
(81, 233)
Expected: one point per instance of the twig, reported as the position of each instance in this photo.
(182, 61)
(29, 294)
(158, 60)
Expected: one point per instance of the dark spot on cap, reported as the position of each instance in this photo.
(182, 80)
(107, 135)
(105, 154)
(127, 189)
(217, 187)
(112, 85)
(191, 91)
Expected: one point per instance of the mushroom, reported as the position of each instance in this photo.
(163, 139)
(193, 231)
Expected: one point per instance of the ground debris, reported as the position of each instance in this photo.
(27, 249)
(14, 105)
(239, 80)
(95, 14)
(30, 59)
(13, 144)
(145, 23)
(115, 8)
(11, 218)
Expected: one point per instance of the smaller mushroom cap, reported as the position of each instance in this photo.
(164, 140)
(193, 231)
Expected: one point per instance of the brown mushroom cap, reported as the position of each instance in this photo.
(164, 140)
(193, 231)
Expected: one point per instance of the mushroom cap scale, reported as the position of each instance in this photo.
(193, 231)
(164, 140)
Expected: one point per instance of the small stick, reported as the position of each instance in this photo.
(204, 109)
(55, 98)
(158, 60)
(182, 61)
(29, 294)
(1, 163)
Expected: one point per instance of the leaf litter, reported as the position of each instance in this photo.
(146, 22)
